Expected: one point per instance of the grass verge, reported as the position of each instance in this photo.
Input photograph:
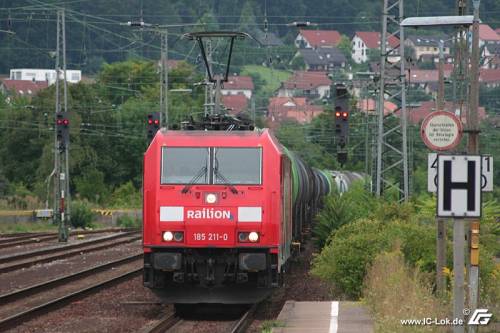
(395, 292)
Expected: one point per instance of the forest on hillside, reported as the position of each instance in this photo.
(96, 32)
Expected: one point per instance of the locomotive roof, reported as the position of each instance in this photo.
(257, 136)
(256, 133)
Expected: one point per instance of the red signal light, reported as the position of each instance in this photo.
(345, 115)
(59, 122)
(150, 121)
(157, 121)
(65, 122)
(337, 114)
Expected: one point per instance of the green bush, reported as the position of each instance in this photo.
(340, 210)
(127, 221)
(126, 196)
(81, 215)
(353, 247)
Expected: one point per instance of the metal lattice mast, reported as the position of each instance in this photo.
(61, 147)
(392, 141)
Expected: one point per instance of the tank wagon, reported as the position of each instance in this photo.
(221, 210)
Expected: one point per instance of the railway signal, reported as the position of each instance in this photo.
(62, 128)
(153, 124)
(341, 126)
(341, 122)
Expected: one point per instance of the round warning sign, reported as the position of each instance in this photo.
(441, 130)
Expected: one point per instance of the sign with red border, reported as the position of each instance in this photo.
(441, 131)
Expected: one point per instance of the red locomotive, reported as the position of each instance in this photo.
(221, 210)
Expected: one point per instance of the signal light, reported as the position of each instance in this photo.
(62, 130)
(337, 114)
(153, 124)
(345, 115)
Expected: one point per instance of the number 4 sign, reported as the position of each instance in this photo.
(486, 174)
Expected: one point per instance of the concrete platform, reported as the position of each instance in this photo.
(324, 317)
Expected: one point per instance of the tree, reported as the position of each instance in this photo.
(123, 80)
(345, 46)
(298, 62)
(247, 17)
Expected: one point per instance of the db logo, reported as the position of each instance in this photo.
(480, 317)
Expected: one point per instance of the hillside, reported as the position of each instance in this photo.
(95, 30)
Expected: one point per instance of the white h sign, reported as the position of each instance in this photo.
(486, 177)
(459, 186)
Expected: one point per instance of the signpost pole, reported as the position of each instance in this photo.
(458, 272)
(441, 223)
(441, 256)
(473, 148)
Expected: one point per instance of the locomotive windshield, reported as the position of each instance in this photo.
(228, 166)
(184, 165)
(237, 166)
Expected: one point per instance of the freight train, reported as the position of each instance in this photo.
(221, 212)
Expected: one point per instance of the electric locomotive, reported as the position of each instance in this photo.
(221, 210)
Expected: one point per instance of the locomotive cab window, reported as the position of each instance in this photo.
(237, 166)
(185, 165)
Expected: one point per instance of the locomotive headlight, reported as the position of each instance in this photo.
(253, 237)
(168, 236)
(211, 198)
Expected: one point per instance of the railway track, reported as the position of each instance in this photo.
(162, 325)
(173, 324)
(13, 262)
(9, 240)
(22, 305)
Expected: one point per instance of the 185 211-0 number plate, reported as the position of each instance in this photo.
(210, 236)
(215, 237)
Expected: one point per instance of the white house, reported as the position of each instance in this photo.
(46, 75)
(364, 41)
(238, 85)
(312, 85)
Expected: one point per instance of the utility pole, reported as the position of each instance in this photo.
(164, 78)
(461, 66)
(61, 143)
(392, 141)
(209, 88)
(473, 149)
(441, 222)
(162, 30)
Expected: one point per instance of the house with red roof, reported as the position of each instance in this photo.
(297, 109)
(426, 79)
(417, 114)
(311, 85)
(313, 39)
(238, 85)
(23, 88)
(369, 106)
(364, 41)
(490, 77)
(487, 35)
(235, 104)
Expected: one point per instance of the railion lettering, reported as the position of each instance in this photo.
(209, 213)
